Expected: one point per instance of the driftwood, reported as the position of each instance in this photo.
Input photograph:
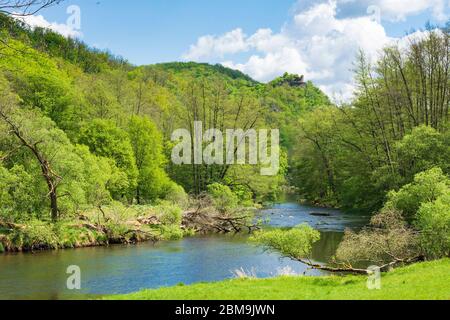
(150, 221)
(349, 269)
(204, 222)
(11, 226)
(320, 214)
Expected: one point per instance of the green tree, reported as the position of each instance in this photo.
(422, 150)
(427, 187)
(107, 140)
(147, 145)
(433, 220)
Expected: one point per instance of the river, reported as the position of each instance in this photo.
(125, 269)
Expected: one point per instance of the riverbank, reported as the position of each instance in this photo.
(120, 269)
(422, 281)
(119, 224)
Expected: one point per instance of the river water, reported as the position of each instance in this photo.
(125, 269)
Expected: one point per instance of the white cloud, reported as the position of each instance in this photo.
(390, 10)
(400, 9)
(39, 21)
(316, 43)
(267, 67)
(208, 46)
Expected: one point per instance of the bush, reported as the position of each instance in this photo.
(433, 219)
(223, 198)
(427, 187)
(169, 214)
(387, 236)
(244, 195)
(70, 236)
(172, 232)
(36, 235)
(295, 243)
(422, 150)
(176, 194)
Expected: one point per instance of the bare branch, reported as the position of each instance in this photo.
(21, 8)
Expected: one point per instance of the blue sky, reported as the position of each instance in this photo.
(151, 31)
(263, 38)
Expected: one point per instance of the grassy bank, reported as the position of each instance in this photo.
(430, 280)
(120, 224)
(115, 224)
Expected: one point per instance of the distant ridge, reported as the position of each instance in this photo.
(207, 68)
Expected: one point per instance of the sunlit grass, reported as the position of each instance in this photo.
(430, 280)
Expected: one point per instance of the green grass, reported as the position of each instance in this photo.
(423, 281)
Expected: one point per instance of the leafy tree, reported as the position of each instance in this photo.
(296, 243)
(105, 139)
(422, 150)
(224, 199)
(147, 147)
(433, 220)
(427, 187)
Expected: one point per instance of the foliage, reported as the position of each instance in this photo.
(147, 147)
(415, 222)
(433, 220)
(169, 214)
(36, 235)
(223, 198)
(427, 187)
(105, 139)
(353, 155)
(388, 238)
(175, 193)
(295, 243)
(422, 150)
(172, 232)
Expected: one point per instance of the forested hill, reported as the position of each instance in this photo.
(201, 70)
(91, 128)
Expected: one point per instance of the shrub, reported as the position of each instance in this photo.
(433, 219)
(176, 194)
(172, 232)
(427, 187)
(36, 235)
(422, 149)
(223, 198)
(295, 243)
(388, 237)
(70, 236)
(244, 195)
(169, 214)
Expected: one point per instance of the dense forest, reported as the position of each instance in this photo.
(85, 145)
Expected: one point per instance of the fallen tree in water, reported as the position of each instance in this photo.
(205, 217)
(387, 242)
(205, 222)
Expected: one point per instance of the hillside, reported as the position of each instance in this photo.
(78, 97)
